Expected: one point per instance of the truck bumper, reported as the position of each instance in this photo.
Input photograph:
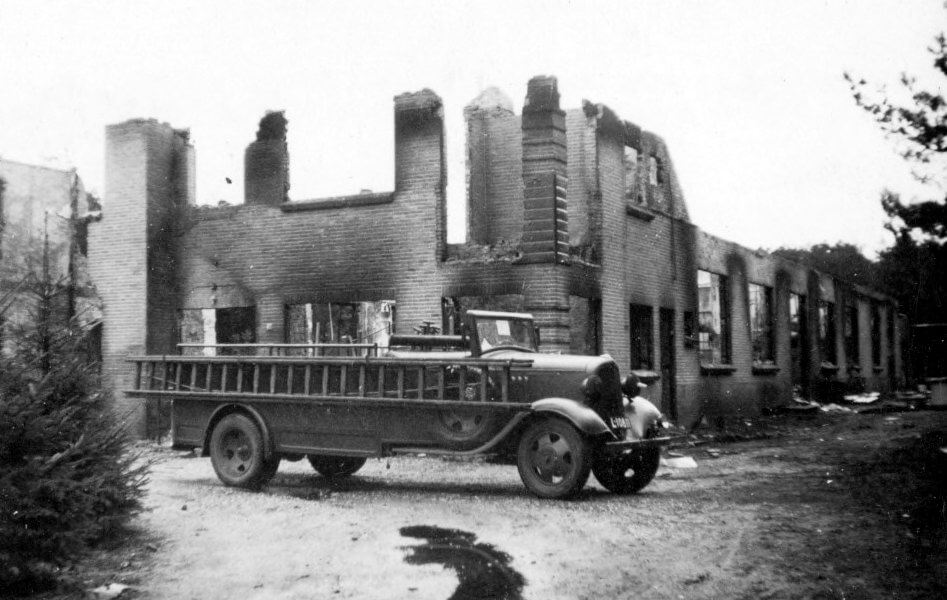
(618, 448)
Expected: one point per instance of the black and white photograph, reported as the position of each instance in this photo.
(522, 300)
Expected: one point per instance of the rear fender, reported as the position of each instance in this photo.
(643, 416)
(584, 418)
(226, 409)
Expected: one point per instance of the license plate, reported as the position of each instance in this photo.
(619, 422)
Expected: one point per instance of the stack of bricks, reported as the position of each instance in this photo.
(546, 220)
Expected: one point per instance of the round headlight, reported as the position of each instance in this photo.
(592, 387)
(630, 385)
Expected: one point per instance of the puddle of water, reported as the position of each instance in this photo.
(482, 570)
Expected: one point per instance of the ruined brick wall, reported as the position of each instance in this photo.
(666, 195)
(27, 232)
(357, 248)
(495, 172)
(584, 209)
(169, 184)
(132, 250)
(647, 258)
(747, 388)
(29, 192)
(266, 163)
(118, 259)
(34, 198)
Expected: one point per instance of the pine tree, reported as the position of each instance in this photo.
(67, 475)
(914, 270)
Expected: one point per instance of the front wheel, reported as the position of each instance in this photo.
(553, 458)
(628, 473)
(336, 467)
(237, 454)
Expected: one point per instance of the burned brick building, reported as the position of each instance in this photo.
(575, 216)
(44, 216)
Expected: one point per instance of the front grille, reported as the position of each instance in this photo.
(609, 403)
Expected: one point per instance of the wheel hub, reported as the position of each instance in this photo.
(551, 459)
(238, 452)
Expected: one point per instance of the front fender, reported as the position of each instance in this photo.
(584, 418)
(643, 416)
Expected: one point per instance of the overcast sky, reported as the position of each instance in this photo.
(766, 140)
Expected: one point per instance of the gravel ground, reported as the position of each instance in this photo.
(830, 506)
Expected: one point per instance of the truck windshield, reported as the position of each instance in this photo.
(494, 332)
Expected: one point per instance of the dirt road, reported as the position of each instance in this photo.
(827, 507)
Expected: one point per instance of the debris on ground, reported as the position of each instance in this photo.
(864, 398)
(799, 406)
(914, 397)
(679, 462)
(796, 398)
(889, 406)
(112, 590)
(835, 408)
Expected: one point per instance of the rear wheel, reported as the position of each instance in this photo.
(270, 467)
(628, 473)
(553, 458)
(464, 430)
(467, 428)
(335, 467)
(237, 454)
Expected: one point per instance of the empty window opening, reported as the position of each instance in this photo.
(690, 329)
(852, 354)
(631, 175)
(761, 323)
(365, 322)
(714, 322)
(205, 328)
(827, 331)
(641, 334)
(875, 335)
(798, 342)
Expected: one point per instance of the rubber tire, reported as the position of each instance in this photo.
(237, 453)
(271, 466)
(465, 429)
(612, 472)
(553, 444)
(336, 467)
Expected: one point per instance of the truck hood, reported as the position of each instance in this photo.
(576, 363)
(553, 362)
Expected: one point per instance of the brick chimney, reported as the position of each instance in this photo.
(133, 250)
(546, 220)
(420, 170)
(494, 169)
(545, 240)
(266, 163)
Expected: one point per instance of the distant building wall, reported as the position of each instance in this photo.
(43, 218)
